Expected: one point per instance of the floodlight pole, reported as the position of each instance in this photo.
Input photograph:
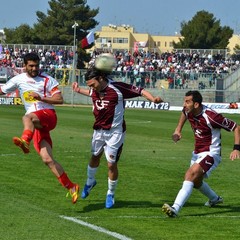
(74, 26)
(73, 79)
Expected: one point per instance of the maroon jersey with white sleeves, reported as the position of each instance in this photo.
(207, 129)
(108, 105)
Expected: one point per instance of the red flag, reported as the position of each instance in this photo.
(88, 40)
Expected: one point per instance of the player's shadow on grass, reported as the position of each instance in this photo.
(95, 205)
(206, 211)
(218, 209)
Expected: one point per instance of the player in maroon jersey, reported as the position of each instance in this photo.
(109, 126)
(206, 125)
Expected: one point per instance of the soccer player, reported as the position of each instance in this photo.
(109, 126)
(39, 92)
(206, 125)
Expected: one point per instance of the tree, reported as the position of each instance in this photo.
(21, 34)
(55, 27)
(204, 32)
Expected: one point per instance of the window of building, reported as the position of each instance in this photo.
(104, 40)
(120, 40)
(171, 44)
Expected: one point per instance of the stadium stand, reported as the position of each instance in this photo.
(176, 70)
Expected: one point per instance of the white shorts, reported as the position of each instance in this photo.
(110, 141)
(207, 160)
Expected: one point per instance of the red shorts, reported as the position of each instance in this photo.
(48, 120)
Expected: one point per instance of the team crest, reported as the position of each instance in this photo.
(226, 122)
(101, 104)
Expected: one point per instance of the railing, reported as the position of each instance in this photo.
(34, 46)
(232, 81)
(150, 79)
(204, 52)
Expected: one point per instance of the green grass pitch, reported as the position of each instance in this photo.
(151, 170)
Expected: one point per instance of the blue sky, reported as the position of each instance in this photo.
(156, 17)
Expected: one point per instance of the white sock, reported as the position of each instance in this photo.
(207, 191)
(91, 172)
(112, 184)
(183, 195)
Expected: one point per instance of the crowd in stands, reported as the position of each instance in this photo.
(50, 60)
(141, 68)
(178, 68)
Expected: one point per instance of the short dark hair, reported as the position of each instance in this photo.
(31, 57)
(93, 72)
(196, 96)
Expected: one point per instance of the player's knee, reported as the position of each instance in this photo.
(47, 160)
(112, 166)
(36, 123)
(191, 175)
(26, 118)
(197, 183)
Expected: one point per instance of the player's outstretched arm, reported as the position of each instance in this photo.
(236, 148)
(77, 89)
(57, 98)
(150, 97)
(177, 133)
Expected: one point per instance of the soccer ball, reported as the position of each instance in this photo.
(105, 62)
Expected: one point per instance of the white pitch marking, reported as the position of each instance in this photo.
(8, 154)
(163, 216)
(96, 228)
(138, 122)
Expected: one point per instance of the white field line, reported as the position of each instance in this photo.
(128, 150)
(96, 228)
(138, 122)
(123, 237)
(8, 154)
(163, 217)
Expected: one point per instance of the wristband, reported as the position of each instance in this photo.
(236, 147)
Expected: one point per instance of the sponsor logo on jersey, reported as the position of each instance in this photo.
(27, 98)
(101, 104)
(198, 133)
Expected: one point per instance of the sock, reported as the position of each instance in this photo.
(65, 181)
(112, 184)
(207, 191)
(27, 135)
(91, 172)
(183, 195)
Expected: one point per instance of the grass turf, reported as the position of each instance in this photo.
(151, 171)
